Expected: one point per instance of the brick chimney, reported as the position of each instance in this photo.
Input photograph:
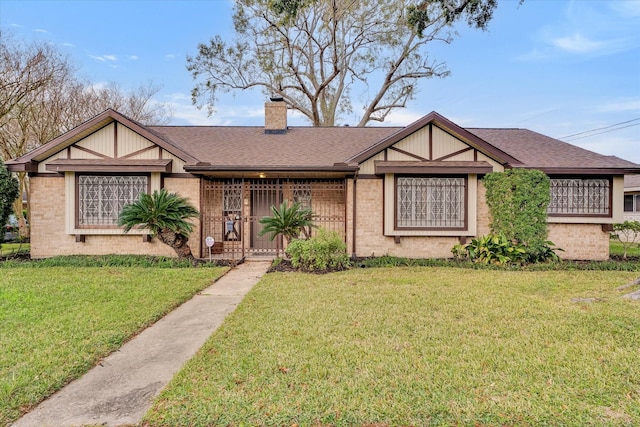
(275, 116)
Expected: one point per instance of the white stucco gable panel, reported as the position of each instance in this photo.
(114, 141)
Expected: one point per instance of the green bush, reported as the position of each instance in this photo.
(498, 249)
(518, 200)
(324, 251)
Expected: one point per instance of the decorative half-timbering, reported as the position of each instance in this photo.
(411, 191)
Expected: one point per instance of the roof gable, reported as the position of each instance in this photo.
(29, 162)
(445, 125)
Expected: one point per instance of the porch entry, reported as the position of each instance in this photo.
(232, 208)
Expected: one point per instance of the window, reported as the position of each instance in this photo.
(574, 196)
(431, 202)
(628, 203)
(102, 197)
(232, 209)
(632, 203)
(302, 194)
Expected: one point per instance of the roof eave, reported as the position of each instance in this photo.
(203, 167)
(16, 166)
(582, 171)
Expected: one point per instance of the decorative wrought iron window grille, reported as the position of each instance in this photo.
(101, 198)
(431, 202)
(233, 198)
(302, 194)
(232, 209)
(575, 196)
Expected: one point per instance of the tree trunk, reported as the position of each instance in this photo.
(178, 242)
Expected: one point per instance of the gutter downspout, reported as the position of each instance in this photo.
(353, 219)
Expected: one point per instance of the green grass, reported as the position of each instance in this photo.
(13, 248)
(616, 248)
(58, 322)
(417, 346)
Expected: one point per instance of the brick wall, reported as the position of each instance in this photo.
(484, 217)
(275, 116)
(189, 188)
(370, 240)
(580, 241)
(48, 237)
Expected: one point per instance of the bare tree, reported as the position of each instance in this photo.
(137, 104)
(314, 53)
(41, 97)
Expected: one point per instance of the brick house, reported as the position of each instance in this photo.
(411, 191)
(632, 197)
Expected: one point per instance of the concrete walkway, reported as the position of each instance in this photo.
(120, 390)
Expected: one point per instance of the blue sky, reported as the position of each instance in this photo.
(557, 67)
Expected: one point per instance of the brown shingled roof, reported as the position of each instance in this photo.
(226, 148)
(535, 150)
(631, 181)
(242, 147)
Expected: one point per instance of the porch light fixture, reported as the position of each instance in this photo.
(262, 175)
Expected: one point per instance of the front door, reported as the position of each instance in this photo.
(264, 195)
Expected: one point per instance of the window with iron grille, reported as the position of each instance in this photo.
(101, 198)
(431, 202)
(575, 196)
(302, 194)
(233, 197)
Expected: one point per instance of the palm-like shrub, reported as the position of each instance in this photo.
(165, 215)
(290, 221)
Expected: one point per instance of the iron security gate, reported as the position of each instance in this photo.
(232, 209)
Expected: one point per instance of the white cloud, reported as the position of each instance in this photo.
(170, 56)
(577, 43)
(401, 117)
(228, 112)
(40, 30)
(626, 8)
(534, 55)
(134, 57)
(587, 28)
(612, 145)
(632, 105)
(104, 58)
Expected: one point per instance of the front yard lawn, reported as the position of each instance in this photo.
(58, 322)
(616, 248)
(14, 248)
(418, 346)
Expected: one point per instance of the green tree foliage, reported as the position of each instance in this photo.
(628, 233)
(518, 201)
(316, 53)
(9, 191)
(165, 215)
(289, 221)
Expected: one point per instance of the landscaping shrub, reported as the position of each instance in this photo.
(518, 201)
(498, 249)
(324, 251)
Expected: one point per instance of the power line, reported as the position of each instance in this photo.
(602, 128)
(600, 133)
